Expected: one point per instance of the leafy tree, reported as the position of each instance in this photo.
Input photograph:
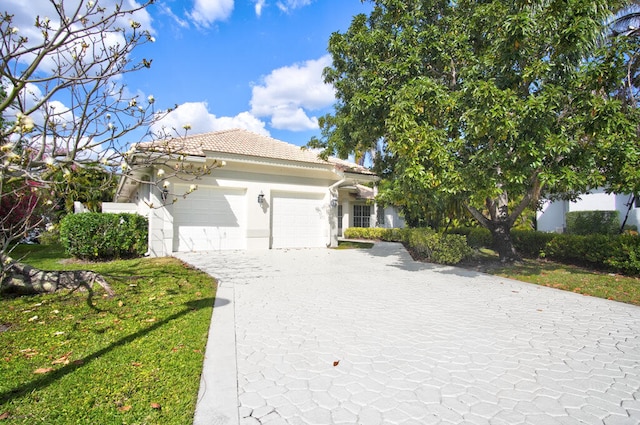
(64, 109)
(488, 103)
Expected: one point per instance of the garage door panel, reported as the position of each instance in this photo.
(210, 219)
(299, 220)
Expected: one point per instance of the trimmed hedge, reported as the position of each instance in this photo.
(477, 237)
(593, 222)
(102, 236)
(619, 253)
(425, 243)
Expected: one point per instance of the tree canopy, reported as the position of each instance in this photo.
(489, 104)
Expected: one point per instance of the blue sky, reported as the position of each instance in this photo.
(245, 63)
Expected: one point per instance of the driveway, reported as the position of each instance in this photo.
(320, 336)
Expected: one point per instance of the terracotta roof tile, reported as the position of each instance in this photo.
(243, 142)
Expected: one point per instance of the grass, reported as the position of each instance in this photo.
(354, 245)
(566, 277)
(84, 358)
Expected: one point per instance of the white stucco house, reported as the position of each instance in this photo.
(552, 216)
(262, 193)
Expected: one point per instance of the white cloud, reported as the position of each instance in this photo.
(288, 5)
(259, 5)
(288, 93)
(201, 120)
(205, 12)
(23, 20)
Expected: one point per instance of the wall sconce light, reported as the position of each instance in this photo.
(261, 198)
(334, 201)
(164, 194)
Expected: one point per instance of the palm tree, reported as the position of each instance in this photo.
(626, 21)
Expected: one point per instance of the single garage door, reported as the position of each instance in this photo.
(209, 218)
(299, 220)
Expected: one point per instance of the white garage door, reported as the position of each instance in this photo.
(209, 219)
(299, 220)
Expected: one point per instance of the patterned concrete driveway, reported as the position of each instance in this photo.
(318, 336)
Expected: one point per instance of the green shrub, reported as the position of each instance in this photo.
(51, 236)
(593, 222)
(477, 237)
(530, 243)
(619, 253)
(100, 236)
(425, 243)
(374, 233)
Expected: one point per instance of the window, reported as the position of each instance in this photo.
(361, 216)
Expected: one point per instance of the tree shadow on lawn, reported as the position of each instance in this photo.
(57, 374)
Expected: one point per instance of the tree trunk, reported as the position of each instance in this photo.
(23, 279)
(502, 243)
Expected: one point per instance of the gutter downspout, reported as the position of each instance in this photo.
(333, 228)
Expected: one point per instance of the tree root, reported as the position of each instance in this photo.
(23, 279)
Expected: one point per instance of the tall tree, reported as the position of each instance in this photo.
(486, 102)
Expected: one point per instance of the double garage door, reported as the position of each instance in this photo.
(212, 219)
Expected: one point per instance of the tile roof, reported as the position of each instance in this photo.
(243, 142)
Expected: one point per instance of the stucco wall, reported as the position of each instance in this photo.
(551, 217)
(253, 180)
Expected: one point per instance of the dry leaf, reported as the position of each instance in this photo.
(33, 319)
(29, 352)
(136, 364)
(336, 363)
(124, 408)
(156, 406)
(63, 360)
(120, 303)
(42, 370)
(4, 415)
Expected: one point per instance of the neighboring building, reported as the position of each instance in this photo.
(552, 216)
(267, 194)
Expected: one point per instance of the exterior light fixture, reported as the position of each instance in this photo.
(261, 198)
(164, 194)
(334, 201)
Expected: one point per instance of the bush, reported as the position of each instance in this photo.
(593, 222)
(425, 243)
(100, 236)
(50, 236)
(477, 237)
(530, 243)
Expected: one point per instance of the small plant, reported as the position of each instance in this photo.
(100, 236)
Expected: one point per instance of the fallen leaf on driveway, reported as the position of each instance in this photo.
(336, 363)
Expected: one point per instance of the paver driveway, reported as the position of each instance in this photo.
(371, 337)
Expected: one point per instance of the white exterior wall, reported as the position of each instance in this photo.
(253, 180)
(552, 216)
(392, 219)
(119, 207)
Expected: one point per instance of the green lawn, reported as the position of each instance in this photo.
(561, 276)
(84, 358)
(576, 279)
